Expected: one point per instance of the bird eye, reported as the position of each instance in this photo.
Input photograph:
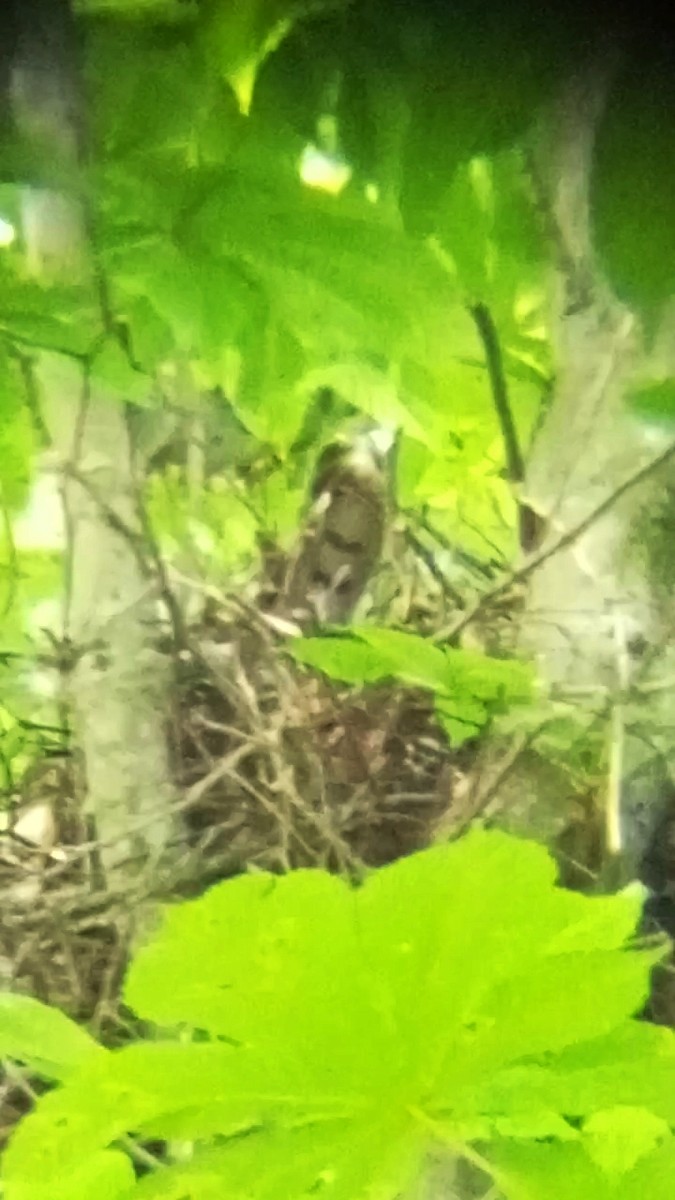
(320, 580)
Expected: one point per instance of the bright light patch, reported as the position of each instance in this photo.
(372, 193)
(323, 171)
(202, 537)
(7, 232)
(383, 438)
(41, 524)
(46, 614)
(44, 684)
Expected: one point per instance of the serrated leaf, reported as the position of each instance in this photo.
(293, 1163)
(607, 921)
(634, 1066)
(43, 1038)
(616, 1138)
(384, 276)
(467, 687)
(107, 1174)
(360, 1023)
(559, 1171)
(412, 658)
(618, 978)
(342, 658)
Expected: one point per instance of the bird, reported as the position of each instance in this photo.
(343, 536)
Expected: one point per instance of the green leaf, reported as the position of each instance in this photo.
(111, 369)
(412, 658)
(43, 1038)
(655, 401)
(206, 303)
(468, 687)
(133, 74)
(269, 401)
(239, 37)
(633, 1066)
(609, 921)
(278, 505)
(372, 392)
(108, 1175)
(384, 276)
(558, 1171)
(652, 1176)
(342, 658)
(369, 654)
(467, 226)
(291, 1163)
(55, 318)
(350, 1027)
(634, 182)
(293, 961)
(564, 1171)
(16, 437)
(619, 978)
(616, 1138)
(461, 719)
(151, 339)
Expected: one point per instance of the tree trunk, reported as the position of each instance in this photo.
(598, 614)
(117, 688)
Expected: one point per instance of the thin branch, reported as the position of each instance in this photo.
(428, 558)
(31, 392)
(118, 525)
(529, 523)
(534, 561)
(485, 325)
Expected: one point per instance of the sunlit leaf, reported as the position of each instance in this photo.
(352, 1026)
(239, 37)
(616, 1138)
(112, 370)
(43, 1038)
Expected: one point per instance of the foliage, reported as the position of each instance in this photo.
(16, 441)
(344, 1030)
(458, 995)
(468, 688)
(215, 253)
(57, 1045)
(633, 190)
(655, 401)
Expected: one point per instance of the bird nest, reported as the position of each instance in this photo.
(275, 768)
(280, 768)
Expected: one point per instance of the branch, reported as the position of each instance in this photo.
(529, 522)
(482, 316)
(566, 539)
